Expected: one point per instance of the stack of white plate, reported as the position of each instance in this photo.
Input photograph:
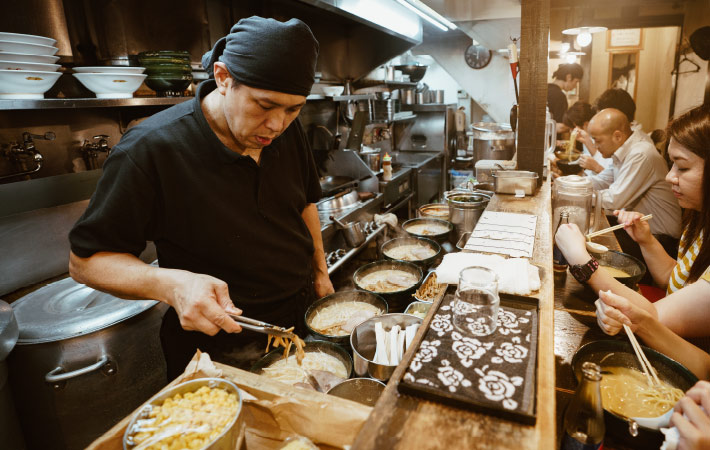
(27, 66)
(111, 81)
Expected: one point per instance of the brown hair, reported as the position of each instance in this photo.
(578, 114)
(573, 69)
(692, 131)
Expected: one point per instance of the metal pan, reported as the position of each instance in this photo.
(332, 183)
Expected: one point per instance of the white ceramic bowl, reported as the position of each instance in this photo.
(111, 85)
(30, 49)
(26, 84)
(27, 38)
(333, 91)
(16, 65)
(24, 57)
(109, 69)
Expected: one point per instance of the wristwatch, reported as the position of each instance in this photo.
(583, 272)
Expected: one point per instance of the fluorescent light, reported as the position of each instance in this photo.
(423, 15)
(427, 10)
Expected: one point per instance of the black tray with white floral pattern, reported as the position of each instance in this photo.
(494, 374)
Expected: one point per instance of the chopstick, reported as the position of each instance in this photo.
(643, 360)
(616, 227)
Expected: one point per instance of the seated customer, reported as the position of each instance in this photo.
(577, 118)
(635, 180)
(619, 99)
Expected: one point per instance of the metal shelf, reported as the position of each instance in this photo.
(355, 97)
(61, 103)
(427, 107)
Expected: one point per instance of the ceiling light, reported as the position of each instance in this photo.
(571, 59)
(564, 47)
(424, 15)
(584, 38)
(584, 34)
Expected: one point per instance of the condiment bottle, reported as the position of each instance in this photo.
(584, 418)
(387, 167)
(559, 263)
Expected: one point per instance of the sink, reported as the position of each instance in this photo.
(414, 159)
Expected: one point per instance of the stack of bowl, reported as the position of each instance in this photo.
(111, 81)
(169, 72)
(27, 66)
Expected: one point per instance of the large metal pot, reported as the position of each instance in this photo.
(465, 209)
(10, 434)
(83, 361)
(493, 141)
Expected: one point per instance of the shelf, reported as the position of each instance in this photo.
(343, 98)
(386, 83)
(59, 103)
(427, 107)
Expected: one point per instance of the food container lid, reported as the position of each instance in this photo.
(67, 309)
(492, 130)
(8, 330)
(574, 182)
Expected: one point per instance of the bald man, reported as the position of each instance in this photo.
(636, 179)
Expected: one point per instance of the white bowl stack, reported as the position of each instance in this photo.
(111, 81)
(27, 66)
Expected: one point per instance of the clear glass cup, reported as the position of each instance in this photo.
(476, 303)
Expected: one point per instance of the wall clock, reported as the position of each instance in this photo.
(477, 56)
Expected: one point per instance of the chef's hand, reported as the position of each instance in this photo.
(322, 284)
(571, 242)
(692, 422)
(587, 162)
(638, 230)
(202, 303)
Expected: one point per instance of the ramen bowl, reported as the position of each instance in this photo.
(26, 84)
(625, 263)
(111, 85)
(362, 390)
(390, 250)
(341, 297)
(398, 299)
(429, 228)
(621, 353)
(364, 344)
(227, 439)
(326, 347)
(568, 163)
(434, 211)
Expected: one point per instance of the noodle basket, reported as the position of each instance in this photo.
(621, 353)
(227, 439)
(326, 347)
(341, 297)
(396, 300)
(410, 241)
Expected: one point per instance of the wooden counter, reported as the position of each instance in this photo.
(404, 422)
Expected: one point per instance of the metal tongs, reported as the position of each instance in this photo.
(262, 327)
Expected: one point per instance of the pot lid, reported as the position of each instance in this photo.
(8, 330)
(574, 182)
(67, 309)
(492, 127)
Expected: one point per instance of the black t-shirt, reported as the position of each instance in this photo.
(208, 209)
(556, 101)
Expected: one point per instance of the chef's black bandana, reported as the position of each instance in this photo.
(268, 54)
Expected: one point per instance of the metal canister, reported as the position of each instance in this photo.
(494, 141)
(465, 209)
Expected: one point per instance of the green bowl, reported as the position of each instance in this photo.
(168, 85)
(170, 70)
(165, 53)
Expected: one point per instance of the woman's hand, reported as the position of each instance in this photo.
(202, 303)
(693, 423)
(614, 311)
(587, 162)
(638, 230)
(571, 242)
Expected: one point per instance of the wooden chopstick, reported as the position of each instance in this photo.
(643, 360)
(616, 227)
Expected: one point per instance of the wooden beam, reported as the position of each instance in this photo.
(534, 36)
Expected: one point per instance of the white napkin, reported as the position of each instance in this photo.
(672, 437)
(389, 218)
(510, 271)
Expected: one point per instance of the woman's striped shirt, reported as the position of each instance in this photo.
(685, 260)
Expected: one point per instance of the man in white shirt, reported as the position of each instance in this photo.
(636, 179)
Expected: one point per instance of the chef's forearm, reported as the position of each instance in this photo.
(310, 217)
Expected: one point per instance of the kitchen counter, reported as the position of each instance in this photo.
(404, 422)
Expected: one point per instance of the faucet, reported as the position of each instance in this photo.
(19, 154)
(91, 150)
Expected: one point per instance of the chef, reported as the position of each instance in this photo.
(225, 186)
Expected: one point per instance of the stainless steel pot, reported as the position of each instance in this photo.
(493, 141)
(408, 96)
(372, 159)
(465, 209)
(83, 361)
(10, 434)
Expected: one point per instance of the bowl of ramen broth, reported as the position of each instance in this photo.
(421, 251)
(613, 354)
(395, 281)
(622, 266)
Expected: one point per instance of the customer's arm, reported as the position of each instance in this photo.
(655, 334)
(323, 285)
(687, 311)
(201, 301)
(657, 260)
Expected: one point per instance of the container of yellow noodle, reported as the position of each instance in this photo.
(625, 389)
(198, 414)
